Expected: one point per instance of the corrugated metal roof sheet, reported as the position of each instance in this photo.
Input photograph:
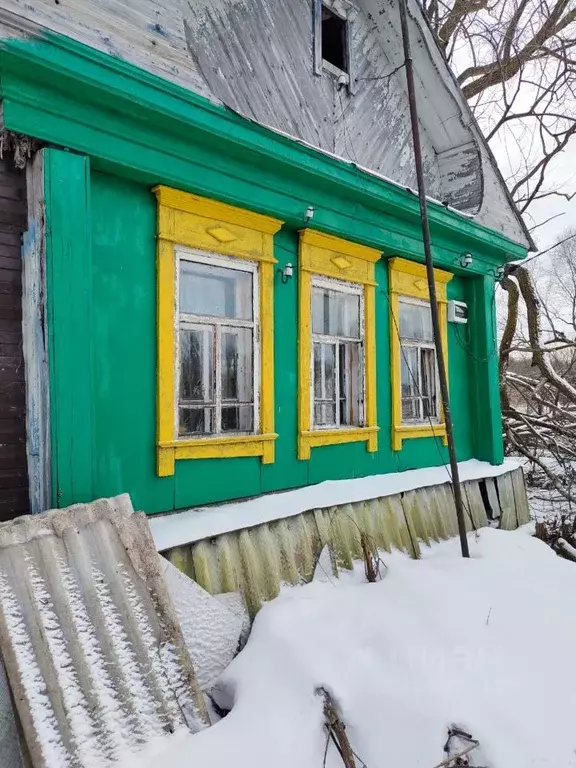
(91, 643)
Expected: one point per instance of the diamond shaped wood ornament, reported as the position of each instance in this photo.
(341, 262)
(221, 234)
(421, 285)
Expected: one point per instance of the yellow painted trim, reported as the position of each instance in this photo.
(409, 279)
(343, 247)
(196, 222)
(166, 353)
(218, 448)
(213, 209)
(207, 225)
(370, 365)
(315, 438)
(329, 256)
(304, 355)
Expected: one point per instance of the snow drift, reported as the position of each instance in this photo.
(442, 640)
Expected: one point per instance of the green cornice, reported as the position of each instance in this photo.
(142, 126)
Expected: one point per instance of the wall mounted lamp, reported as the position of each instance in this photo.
(465, 260)
(287, 272)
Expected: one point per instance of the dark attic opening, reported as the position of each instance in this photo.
(334, 39)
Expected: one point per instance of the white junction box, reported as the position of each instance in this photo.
(457, 312)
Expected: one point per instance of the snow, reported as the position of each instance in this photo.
(211, 630)
(204, 522)
(438, 641)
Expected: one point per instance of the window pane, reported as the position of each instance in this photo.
(324, 414)
(324, 370)
(409, 383)
(415, 322)
(429, 394)
(236, 364)
(335, 313)
(350, 383)
(324, 384)
(237, 418)
(196, 421)
(215, 291)
(196, 365)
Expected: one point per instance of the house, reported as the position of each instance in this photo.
(223, 290)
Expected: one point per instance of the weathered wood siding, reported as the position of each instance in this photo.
(256, 57)
(13, 467)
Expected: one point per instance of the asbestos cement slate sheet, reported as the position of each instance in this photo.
(89, 636)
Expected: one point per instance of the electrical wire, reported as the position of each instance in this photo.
(433, 426)
(465, 344)
(348, 141)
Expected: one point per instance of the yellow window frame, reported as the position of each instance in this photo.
(408, 279)
(208, 225)
(328, 256)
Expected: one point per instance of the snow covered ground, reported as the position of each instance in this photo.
(438, 641)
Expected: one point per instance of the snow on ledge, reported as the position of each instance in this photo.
(190, 525)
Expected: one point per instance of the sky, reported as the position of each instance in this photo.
(561, 176)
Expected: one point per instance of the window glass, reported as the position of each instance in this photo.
(415, 321)
(335, 313)
(236, 364)
(215, 291)
(428, 368)
(418, 373)
(338, 380)
(217, 350)
(350, 383)
(196, 364)
(409, 383)
(324, 384)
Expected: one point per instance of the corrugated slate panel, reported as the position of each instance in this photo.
(259, 559)
(92, 646)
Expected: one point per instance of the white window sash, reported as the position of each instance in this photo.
(186, 320)
(321, 338)
(419, 345)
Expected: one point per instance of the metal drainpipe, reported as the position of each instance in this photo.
(430, 276)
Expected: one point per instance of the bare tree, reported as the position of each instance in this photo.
(516, 63)
(538, 368)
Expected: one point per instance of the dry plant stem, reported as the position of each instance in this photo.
(450, 760)
(370, 567)
(338, 730)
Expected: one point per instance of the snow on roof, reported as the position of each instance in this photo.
(179, 528)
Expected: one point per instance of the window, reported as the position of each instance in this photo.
(418, 372)
(337, 352)
(333, 20)
(336, 344)
(334, 37)
(215, 395)
(416, 407)
(218, 345)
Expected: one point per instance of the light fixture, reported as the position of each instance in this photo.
(287, 272)
(309, 213)
(465, 260)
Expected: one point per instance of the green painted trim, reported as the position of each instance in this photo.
(67, 195)
(63, 92)
(479, 339)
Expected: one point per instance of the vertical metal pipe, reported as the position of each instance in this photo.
(430, 275)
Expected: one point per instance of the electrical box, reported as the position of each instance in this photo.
(457, 312)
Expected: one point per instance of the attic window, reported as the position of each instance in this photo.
(334, 40)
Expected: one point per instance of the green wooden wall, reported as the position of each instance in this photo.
(103, 362)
